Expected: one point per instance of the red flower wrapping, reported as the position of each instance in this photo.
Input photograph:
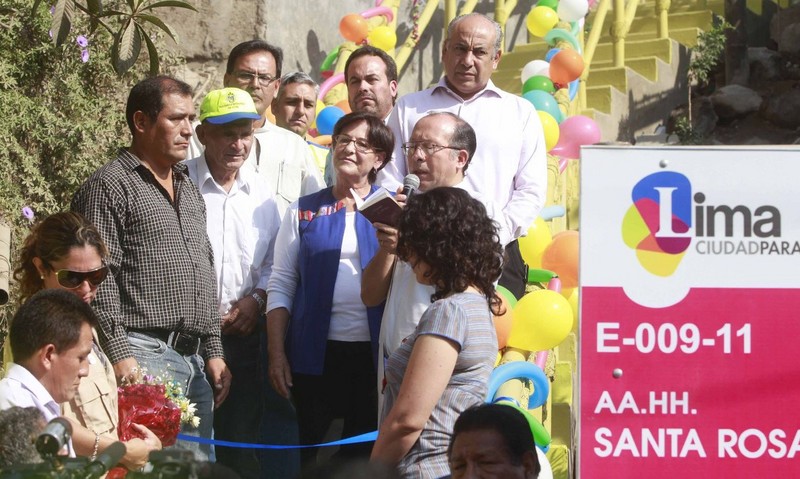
(146, 404)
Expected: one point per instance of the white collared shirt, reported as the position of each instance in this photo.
(509, 167)
(20, 388)
(242, 225)
(283, 159)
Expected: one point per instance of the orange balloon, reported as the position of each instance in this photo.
(565, 66)
(503, 322)
(354, 27)
(561, 256)
(345, 106)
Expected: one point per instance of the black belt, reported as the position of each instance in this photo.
(184, 343)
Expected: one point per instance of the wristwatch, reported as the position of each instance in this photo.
(262, 305)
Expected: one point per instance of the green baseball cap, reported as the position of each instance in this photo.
(227, 105)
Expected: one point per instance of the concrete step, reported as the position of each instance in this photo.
(657, 47)
(685, 36)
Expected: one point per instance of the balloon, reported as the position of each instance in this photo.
(382, 37)
(535, 67)
(503, 291)
(540, 435)
(330, 83)
(542, 319)
(354, 27)
(327, 118)
(345, 106)
(572, 10)
(519, 370)
(534, 243)
(547, 3)
(327, 64)
(319, 107)
(565, 66)
(561, 256)
(573, 88)
(551, 53)
(503, 322)
(556, 34)
(550, 128)
(375, 11)
(540, 20)
(576, 131)
(573, 301)
(538, 82)
(544, 101)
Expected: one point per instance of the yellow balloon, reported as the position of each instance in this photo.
(550, 128)
(541, 20)
(382, 37)
(574, 304)
(533, 245)
(319, 107)
(542, 319)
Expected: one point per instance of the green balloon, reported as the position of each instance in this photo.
(538, 82)
(548, 3)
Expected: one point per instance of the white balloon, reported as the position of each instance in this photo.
(572, 10)
(536, 67)
(547, 470)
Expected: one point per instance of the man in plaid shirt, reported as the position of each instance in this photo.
(158, 311)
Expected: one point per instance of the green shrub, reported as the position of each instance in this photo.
(60, 117)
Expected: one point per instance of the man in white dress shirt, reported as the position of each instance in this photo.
(243, 221)
(280, 156)
(510, 164)
(439, 153)
(51, 338)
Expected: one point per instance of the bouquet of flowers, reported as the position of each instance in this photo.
(156, 403)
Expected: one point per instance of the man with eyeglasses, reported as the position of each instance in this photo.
(242, 223)
(278, 155)
(510, 163)
(283, 159)
(439, 152)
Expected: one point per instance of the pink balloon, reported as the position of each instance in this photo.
(375, 11)
(575, 131)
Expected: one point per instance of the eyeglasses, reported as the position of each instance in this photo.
(427, 148)
(247, 77)
(73, 279)
(362, 146)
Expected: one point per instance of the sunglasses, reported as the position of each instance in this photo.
(73, 279)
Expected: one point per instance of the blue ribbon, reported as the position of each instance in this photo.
(368, 437)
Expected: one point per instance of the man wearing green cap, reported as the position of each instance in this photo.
(156, 308)
(242, 224)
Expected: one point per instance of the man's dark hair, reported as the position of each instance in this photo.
(148, 95)
(51, 316)
(388, 61)
(19, 428)
(464, 137)
(507, 421)
(250, 46)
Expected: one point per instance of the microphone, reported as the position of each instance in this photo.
(410, 184)
(106, 460)
(55, 435)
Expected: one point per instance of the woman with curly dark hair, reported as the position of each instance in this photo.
(442, 368)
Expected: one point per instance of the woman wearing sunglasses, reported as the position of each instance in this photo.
(65, 251)
(328, 358)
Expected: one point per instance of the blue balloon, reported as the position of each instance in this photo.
(551, 53)
(327, 119)
(520, 370)
(573, 88)
(542, 101)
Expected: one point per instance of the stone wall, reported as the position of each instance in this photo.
(307, 31)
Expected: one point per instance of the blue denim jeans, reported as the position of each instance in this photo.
(189, 371)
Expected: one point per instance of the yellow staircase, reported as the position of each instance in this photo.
(625, 100)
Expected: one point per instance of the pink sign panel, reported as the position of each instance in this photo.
(690, 314)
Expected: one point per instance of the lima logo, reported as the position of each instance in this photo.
(658, 224)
